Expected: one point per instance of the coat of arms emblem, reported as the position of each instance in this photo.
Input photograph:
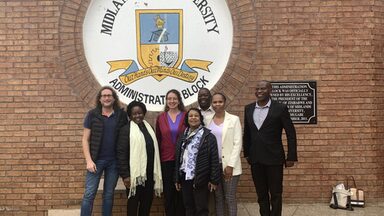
(159, 43)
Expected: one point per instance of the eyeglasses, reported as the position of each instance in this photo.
(106, 96)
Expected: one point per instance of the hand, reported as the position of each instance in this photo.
(178, 186)
(127, 182)
(211, 187)
(228, 172)
(289, 163)
(91, 167)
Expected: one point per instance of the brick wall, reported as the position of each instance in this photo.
(377, 92)
(46, 87)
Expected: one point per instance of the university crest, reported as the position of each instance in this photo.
(159, 45)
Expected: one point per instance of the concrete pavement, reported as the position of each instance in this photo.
(316, 209)
(252, 209)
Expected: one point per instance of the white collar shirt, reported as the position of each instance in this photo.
(260, 113)
(207, 112)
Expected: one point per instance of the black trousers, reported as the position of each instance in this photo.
(195, 199)
(173, 201)
(268, 180)
(141, 203)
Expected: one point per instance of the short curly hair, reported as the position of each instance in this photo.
(198, 111)
(136, 104)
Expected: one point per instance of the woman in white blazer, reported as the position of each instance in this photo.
(227, 129)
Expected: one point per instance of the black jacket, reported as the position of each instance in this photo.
(207, 162)
(97, 129)
(265, 145)
(123, 153)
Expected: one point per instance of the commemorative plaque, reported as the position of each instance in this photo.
(300, 97)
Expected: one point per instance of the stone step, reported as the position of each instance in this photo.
(63, 212)
(76, 212)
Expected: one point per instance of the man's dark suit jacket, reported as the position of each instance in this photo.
(265, 145)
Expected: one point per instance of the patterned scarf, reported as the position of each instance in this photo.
(191, 145)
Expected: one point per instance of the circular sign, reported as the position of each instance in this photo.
(144, 49)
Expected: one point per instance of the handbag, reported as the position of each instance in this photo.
(357, 197)
(341, 198)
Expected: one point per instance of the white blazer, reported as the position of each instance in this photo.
(231, 142)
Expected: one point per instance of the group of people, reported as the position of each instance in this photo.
(188, 156)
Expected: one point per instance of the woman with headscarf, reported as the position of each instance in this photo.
(139, 161)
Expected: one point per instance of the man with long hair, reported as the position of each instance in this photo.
(101, 128)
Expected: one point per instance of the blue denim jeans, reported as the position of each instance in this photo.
(109, 167)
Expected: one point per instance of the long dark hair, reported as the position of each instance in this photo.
(181, 106)
(116, 104)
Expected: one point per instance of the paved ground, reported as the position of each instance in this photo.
(318, 209)
(252, 209)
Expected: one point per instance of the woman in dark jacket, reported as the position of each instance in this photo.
(139, 161)
(197, 169)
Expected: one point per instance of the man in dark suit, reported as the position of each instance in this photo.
(264, 121)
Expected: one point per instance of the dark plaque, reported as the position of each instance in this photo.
(300, 97)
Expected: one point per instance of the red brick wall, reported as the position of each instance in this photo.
(46, 87)
(378, 91)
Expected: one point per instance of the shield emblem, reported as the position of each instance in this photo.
(159, 38)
